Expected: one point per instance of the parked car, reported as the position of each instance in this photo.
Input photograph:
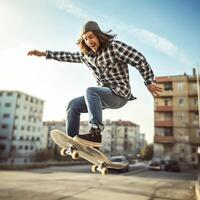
(155, 165)
(172, 165)
(121, 160)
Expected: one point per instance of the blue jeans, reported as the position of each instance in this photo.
(94, 101)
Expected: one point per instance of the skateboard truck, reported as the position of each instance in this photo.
(70, 150)
(101, 168)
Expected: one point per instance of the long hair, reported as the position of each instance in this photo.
(103, 38)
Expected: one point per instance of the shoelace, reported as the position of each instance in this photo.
(93, 132)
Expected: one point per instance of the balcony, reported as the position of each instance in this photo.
(166, 93)
(163, 79)
(164, 139)
(192, 93)
(166, 123)
(164, 109)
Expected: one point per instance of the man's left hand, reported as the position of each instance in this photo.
(154, 89)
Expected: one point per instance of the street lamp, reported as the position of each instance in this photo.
(198, 150)
(198, 92)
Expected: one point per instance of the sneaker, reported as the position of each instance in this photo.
(93, 138)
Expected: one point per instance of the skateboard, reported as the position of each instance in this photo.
(74, 149)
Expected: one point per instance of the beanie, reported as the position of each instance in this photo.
(90, 26)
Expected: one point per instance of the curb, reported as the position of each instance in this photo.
(37, 165)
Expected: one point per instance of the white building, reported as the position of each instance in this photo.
(20, 126)
(120, 138)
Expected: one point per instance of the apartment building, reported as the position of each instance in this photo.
(20, 126)
(121, 138)
(177, 132)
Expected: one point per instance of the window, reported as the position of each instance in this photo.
(180, 86)
(195, 101)
(194, 86)
(2, 147)
(168, 86)
(196, 115)
(9, 94)
(7, 105)
(168, 132)
(3, 137)
(198, 133)
(181, 101)
(6, 115)
(181, 159)
(168, 116)
(4, 126)
(20, 147)
(194, 150)
(166, 102)
(180, 115)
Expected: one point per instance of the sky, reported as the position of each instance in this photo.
(166, 32)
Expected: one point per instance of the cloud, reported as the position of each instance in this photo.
(159, 43)
(70, 7)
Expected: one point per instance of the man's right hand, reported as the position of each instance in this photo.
(36, 53)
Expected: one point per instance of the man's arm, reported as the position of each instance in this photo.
(62, 56)
(129, 55)
(76, 57)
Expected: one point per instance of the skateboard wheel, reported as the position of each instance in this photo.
(94, 168)
(104, 171)
(75, 155)
(63, 152)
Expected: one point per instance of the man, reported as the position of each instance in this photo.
(108, 60)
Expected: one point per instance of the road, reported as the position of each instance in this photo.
(78, 183)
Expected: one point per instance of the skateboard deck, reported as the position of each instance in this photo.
(70, 147)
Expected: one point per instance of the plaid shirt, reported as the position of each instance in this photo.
(109, 65)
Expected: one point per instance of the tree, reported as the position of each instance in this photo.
(147, 152)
